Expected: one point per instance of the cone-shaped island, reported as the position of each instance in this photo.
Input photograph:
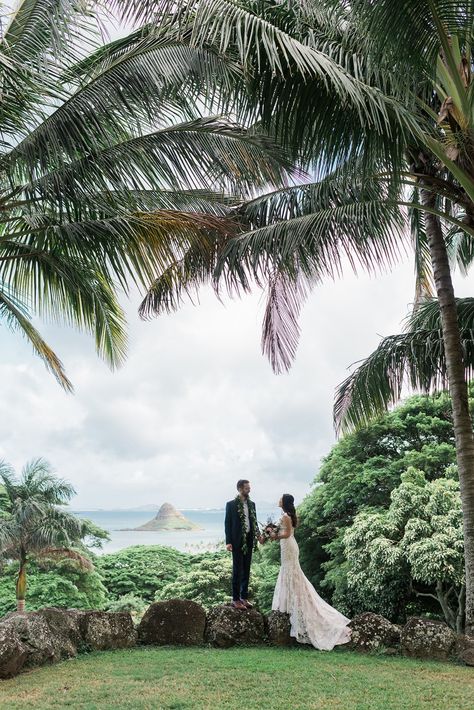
(168, 518)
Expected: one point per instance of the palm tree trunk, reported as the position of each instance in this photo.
(21, 584)
(461, 610)
(463, 433)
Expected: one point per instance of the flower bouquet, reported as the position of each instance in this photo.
(269, 528)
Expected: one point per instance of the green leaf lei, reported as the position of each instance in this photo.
(253, 522)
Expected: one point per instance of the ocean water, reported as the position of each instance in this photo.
(210, 537)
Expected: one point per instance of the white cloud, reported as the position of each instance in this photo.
(196, 406)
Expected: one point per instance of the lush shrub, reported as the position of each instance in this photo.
(207, 581)
(141, 570)
(359, 475)
(265, 570)
(414, 546)
(131, 603)
(60, 583)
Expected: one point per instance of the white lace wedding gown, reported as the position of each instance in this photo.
(312, 620)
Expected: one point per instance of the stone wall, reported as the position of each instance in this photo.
(40, 637)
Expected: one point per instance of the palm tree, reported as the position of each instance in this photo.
(415, 358)
(108, 167)
(392, 121)
(32, 523)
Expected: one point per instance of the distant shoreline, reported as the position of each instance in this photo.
(149, 508)
(165, 530)
(143, 510)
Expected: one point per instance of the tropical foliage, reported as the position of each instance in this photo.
(207, 582)
(54, 582)
(34, 524)
(141, 570)
(358, 475)
(415, 548)
(109, 171)
(414, 358)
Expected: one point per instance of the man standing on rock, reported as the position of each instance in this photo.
(241, 535)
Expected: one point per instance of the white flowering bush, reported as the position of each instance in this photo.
(413, 548)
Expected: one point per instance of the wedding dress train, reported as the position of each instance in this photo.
(312, 620)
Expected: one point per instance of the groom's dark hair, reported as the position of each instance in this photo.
(241, 483)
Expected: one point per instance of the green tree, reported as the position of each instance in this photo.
(108, 169)
(141, 570)
(34, 525)
(361, 471)
(415, 546)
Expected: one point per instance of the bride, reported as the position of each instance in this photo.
(312, 619)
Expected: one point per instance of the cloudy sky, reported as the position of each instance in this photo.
(196, 406)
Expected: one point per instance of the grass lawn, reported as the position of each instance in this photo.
(241, 679)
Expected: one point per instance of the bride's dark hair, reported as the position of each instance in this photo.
(288, 505)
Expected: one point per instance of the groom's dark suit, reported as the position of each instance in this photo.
(233, 536)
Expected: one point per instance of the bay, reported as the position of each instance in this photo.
(210, 537)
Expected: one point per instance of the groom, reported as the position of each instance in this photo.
(241, 535)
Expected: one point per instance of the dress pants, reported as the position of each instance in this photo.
(241, 570)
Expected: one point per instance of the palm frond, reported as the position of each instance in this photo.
(366, 234)
(281, 331)
(157, 81)
(415, 359)
(38, 479)
(39, 36)
(460, 247)
(294, 74)
(183, 277)
(58, 284)
(425, 26)
(17, 319)
(210, 153)
(300, 234)
(7, 476)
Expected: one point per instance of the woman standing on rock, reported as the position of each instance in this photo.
(312, 620)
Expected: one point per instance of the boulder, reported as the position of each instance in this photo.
(464, 650)
(13, 653)
(35, 635)
(278, 629)
(425, 638)
(102, 630)
(173, 622)
(65, 628)
(371, 632)
(226, 626)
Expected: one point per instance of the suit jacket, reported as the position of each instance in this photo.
(233, 523)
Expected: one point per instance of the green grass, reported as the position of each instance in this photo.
(241, 679)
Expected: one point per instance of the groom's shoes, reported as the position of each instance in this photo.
(246, 604)
(239, 605)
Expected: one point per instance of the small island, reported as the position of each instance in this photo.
(168, 518)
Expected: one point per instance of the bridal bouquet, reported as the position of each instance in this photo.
(269, 528)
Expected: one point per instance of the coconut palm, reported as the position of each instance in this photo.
(333, 81)
(32, 522)
(413, 359)
(108, 167)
